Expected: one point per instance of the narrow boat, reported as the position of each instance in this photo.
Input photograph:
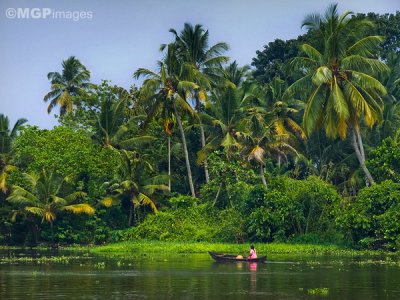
(221, 257)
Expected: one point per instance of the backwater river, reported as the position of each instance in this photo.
(71, 275)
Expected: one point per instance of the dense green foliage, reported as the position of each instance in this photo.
(384, 160)
(282, 151)
(373, 218)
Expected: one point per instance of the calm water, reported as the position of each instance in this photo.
(197, 277)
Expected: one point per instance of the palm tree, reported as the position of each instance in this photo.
(135, 183)
(7, 137)
(340, 81)
(165, 112)
(43, 197)
(192, 48)
(67, 86)
(167, 86)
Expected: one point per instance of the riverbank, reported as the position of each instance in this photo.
(139, 248)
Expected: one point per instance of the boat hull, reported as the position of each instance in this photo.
(220, 257)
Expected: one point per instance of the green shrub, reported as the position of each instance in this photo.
(290, 208)
(373, 219)
(182, 201)
(198, 223)
(275, 218)
(319, 203)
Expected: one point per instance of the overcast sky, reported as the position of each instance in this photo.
(114, 38)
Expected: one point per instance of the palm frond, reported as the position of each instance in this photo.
(145, 200)
(82, 208)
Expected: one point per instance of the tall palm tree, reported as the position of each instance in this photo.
(193, 49)
(6, 139)
(167, 86)
(340, 80)
(135, 183)
(164, 111)
(67, 86)
(43, 197)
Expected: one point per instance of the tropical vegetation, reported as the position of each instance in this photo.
(301, 147)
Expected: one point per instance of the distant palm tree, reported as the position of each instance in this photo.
(114, 127)
(233, 73)
(193, 49)
(224, 119)
(67, 86)
(391, 115)
(42, 197)
(261, 137)
(224, 115)
(340, 81)
(7, 137)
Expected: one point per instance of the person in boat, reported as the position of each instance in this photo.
(252, 253)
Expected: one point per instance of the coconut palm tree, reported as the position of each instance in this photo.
(67, 86)
(42, 196)
(193, 49)
(167, 86)
(162, 110)
(340, 79)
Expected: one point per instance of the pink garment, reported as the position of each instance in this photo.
(253, 253)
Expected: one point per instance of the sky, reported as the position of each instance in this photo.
(115, 38)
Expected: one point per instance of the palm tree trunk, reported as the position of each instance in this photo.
(189, 171)
(356, 141)
(169, 162)
(217, 195)
(360, 144)
(203, 144)
(202, 138)
(262, 175)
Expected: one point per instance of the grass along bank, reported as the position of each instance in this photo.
(138, 248)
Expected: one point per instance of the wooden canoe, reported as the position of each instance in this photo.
(221, 257)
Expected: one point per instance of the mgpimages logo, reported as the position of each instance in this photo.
(47, 13)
